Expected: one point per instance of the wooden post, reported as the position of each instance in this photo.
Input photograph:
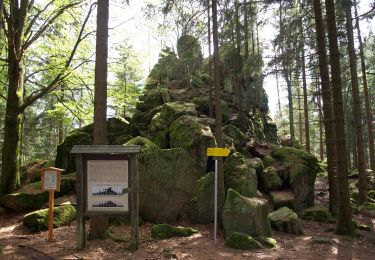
(50, 215)
(134, 202)
(81, 225)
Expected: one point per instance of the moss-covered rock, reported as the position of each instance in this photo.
(267, 241)
(367, 208)
(371, 194)
(201, 207)
(31, 196)
(285, 220)
(64, 159)
(165, 231)
(38, 220)
(302, 168)
(238, 176)
(147, 145)
(255, 163)
(202, 105)
(233, 132)
(167, 180)
(153, 98)
(271, 180)
(317, 213)
(282, 199)
(247, 215)
(267, 161)
(189, 133)
(242, 241)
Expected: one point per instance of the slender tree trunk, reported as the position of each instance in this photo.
(218, 123)
(327, 107)
(362, 179)
(321, 147)
(238, 57)
(299, 116)
(370, 132)
(305, 105)
(246, 32)
(99, 224)
(210, 99)
(290, 104)
(344, 218)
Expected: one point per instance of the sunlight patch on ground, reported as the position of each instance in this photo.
(8, 229)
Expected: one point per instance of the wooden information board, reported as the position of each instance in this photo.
(107, 184)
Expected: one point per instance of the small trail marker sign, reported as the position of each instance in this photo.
(51, 180)
(216, 152)
(219, 152)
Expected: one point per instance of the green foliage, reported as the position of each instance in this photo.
(124, 91)
(165, 231)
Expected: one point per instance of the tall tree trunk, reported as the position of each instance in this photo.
(210, 99)
(321, 147)
(327, 107)
(305, 105)
(9, 179)
(370, 132)
(99, 224)
(362, 181)
(218, 123)
(344, 218)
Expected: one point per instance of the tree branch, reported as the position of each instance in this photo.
(32, 22)
(56, 14)
(54, 83)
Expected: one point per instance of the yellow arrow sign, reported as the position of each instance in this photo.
(218, 152)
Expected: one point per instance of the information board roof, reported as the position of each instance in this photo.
(105, 149)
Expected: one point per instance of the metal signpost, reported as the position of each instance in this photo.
(216, 152)
(107, 184)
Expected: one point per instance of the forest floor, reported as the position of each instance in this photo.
(317, 242)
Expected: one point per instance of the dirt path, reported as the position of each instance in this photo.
(317, 242)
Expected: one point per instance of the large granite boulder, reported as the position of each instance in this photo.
(238, 176)
(201, 207)
(299, 173)
(38, 220)
(246, 215)
(285, 220)
(191, 134)
(153, 98)
(167, 180)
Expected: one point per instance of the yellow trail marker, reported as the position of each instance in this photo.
(222, 152)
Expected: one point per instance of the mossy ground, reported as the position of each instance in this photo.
(164, 231)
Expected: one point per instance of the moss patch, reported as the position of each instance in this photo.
(164, 231)
(147, 145)
(267, 241)
(38, 220)
(242, 241)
